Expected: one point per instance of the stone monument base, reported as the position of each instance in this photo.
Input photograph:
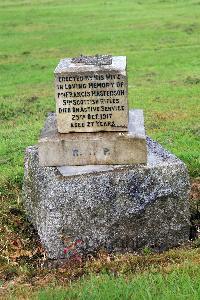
(96, 148)
(117, 208)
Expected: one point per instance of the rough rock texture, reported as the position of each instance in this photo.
(120, 208)
(94, 148)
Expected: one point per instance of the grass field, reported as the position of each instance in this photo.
(161, 40)
(174, 286)
(173, 275)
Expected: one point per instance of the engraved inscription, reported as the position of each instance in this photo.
(106, 151)
(75, 152)
(92, 101)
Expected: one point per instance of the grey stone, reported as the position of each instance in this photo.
(58, 149)
(91, 97)
(120, 209)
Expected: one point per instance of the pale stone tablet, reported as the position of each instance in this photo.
(91, 97)
(97, 148)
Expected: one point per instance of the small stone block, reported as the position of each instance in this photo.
(91, 97)
(97, 148)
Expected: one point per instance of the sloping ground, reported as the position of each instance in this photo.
(180, 283)
(174, 274)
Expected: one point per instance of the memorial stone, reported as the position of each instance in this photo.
(92, 124)
(95, 176)
(91, 94)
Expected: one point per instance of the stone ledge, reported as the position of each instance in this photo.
(93, 148)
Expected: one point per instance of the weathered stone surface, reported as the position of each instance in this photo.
(91, 97)
(120, 209)
(57, 149)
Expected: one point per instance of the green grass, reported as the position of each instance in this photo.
(171, 275)
(161, 39)
(162, 44)
(177, 285)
